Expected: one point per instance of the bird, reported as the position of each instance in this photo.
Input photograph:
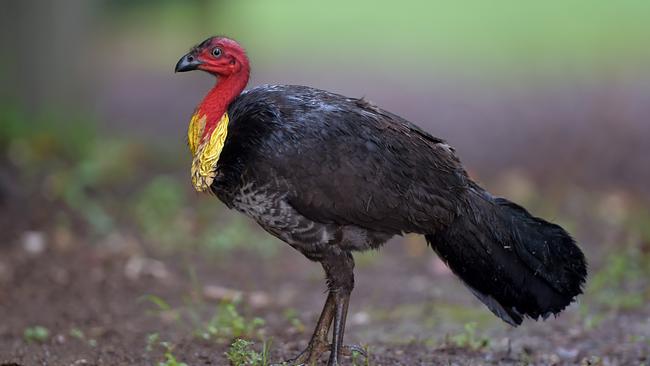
(332, 175)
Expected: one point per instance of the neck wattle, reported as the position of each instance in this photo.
(216, 102)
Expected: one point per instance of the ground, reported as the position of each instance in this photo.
(84, 304)
(108, 258)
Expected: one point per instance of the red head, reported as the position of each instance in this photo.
(225, 59)
(219, 56)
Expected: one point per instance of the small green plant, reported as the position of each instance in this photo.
(160, 304)
(468, 339)
(170, 359)
(79, 334)
(227, 323)
(153, 340)
(161, 308)
(36, 334)
(291, 315)
(241, 353)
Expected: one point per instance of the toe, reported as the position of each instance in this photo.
(310, 355)
(349, 349)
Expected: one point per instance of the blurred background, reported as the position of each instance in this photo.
(547, 103)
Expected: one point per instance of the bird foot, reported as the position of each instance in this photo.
(349, 349)
(314, 351)
(309, 355)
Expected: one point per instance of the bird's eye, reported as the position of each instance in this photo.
(216, 52)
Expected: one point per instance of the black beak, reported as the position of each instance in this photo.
(188, 62)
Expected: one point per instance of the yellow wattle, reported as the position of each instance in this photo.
(206, 151)
(195, 131)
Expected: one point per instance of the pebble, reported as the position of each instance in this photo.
(567, 354)
(34, 242)
(259, 299)
(138, 266)
(360, 318)
(220, 293)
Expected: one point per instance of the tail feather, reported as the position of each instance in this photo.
(518, 265)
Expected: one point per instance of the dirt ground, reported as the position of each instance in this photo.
(407, 309)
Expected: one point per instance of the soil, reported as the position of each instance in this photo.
(406, 308)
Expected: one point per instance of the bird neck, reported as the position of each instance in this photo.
(216, 102)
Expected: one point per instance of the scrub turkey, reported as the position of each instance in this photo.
(330, 175)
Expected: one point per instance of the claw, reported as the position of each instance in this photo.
(313, 352)
(310, 355)
(349, 349)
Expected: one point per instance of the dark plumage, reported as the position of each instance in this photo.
(331, 175)
(343, 166)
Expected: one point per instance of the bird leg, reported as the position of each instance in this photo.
(342, 300)
(318, 343)
(338, 268)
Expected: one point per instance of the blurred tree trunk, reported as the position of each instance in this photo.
(43, 46)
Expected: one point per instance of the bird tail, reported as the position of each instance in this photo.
(518, 265)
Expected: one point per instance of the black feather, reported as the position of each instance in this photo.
(319, 170)
(517, 264)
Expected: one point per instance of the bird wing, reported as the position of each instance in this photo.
(348, 162)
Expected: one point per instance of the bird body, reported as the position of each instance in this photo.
(331, 175)
(297, 160)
